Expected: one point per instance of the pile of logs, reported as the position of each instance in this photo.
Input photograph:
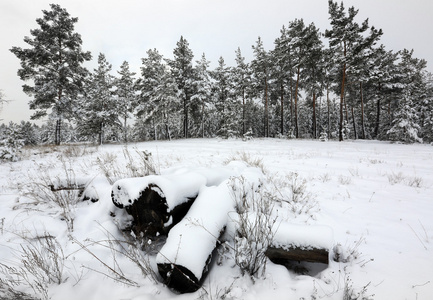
(194, 223)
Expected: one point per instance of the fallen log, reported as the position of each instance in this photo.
(283, 255)
(157, 203)
(300, 243)
(184, 260)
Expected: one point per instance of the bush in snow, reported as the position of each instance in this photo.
(292, 192)
(45, 189)
(42, 264)
(254, 226)
(137, 164)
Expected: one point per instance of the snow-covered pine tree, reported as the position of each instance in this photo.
(54, 64)
(383, 86)
(159, 101)
(183, 73)
(225, 105)
(347, 40)
(11, 143)
(260, 67)
(427, 108)
(203, 87)
(314, 71)
(282, 74)
(405, 124)
(298, 44)
(126, 95)
(99, 107)
(241, 75)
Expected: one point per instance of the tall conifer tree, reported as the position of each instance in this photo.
(54, 65)
(260, 67)
(183, 73)
(100, 109)
(347, 41)
(126, 95)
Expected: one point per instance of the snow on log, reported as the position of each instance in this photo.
(300, 243)
(68, 184)
(184, 260)
(158, 202)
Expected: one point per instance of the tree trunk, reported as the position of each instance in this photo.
(376, 129)
(185, 117)
(314, 116)
(155, 132)
(340, 130)
(202, 120)
(329, 111)
(319, 116)
(362, 113)
(167, 127)
(57, 133)
(243, 111)
(125, 129)
(282, 109)
(266, 106)
(354, 123)
(296, 103)
(101, 133)
(291, 100)
(346, 111)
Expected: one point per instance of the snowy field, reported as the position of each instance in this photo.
(377, 197)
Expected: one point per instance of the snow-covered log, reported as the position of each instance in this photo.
(158, 202)
(68, 184)
(300, 243)
(184, 260)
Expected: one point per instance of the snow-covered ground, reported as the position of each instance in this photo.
(377, 197)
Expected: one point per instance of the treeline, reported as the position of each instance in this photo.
(341, 83)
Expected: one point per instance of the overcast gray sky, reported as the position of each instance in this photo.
(125, 30)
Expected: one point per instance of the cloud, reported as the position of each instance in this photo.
(125, 30)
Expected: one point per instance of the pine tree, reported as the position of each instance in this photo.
(203, 87)
(406, 121)
(158, 94)
(241, 75)
(100, 109)
(347, 41)
(304, 41)
(54, 65)
(227, 104)
(427, 108)
(260, 67)
(383, 86)
(283, 73)
(183, 72)
(11, 143)
(314, 69)
(126, 95)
